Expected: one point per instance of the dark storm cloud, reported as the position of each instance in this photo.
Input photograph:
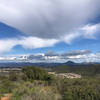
(48, 18)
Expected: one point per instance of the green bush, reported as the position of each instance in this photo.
(6, 86)
(35, 73)
(81, 89)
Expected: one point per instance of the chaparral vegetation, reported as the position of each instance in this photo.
(36, 83)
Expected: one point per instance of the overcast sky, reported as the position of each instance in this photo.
(39, 26)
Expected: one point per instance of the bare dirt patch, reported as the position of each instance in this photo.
(8, 97)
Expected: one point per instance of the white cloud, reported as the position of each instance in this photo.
(70, 37)
(26, 42)
(7, 45)
(49, 22)
(34, 42)
(90, 31)
(90, 57)
(76, 56)
(48, 18)
(30, 42)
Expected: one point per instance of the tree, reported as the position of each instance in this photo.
(35, 73)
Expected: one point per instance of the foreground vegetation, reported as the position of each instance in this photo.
(34, 83)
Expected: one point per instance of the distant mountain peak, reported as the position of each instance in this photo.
(70, 62)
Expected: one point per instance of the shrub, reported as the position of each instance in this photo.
(80, 89)
(35, 73)
(6, 86)
(30, 91)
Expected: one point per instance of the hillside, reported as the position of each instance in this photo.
(91, 70)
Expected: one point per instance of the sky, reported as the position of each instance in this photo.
(65, 27)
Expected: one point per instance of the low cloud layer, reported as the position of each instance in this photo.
(77, 52)
(76, 56)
